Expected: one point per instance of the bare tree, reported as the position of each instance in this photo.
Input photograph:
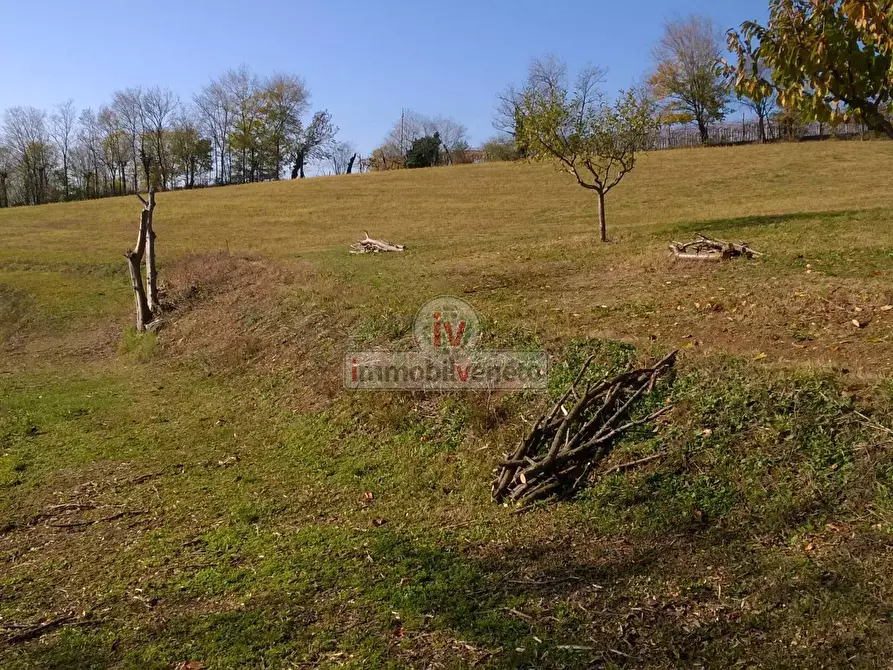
(90, 152)
(128, 107)
(505, 117)
(216, 114)
(688, 74)
(115, 148)
(342, 156)
(548, 74)
(62, 125)
(159, 108)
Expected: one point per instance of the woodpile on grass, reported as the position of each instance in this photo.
(704, 248)
(369, 245)
(566, 445)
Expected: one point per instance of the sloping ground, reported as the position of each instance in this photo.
(214, 494)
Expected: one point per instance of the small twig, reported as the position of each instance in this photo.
(479, 289)
(633, 464)
(66, 507)
(550, 582)
(113, 517)
(874, 424)
(518, 614)
(38, 630)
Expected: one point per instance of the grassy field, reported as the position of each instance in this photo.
(212, 493)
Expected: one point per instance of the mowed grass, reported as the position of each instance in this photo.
(211, 493)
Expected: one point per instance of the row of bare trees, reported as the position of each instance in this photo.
(239, 128)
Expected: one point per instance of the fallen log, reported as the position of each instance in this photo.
(565, 446)
(369, 245)
(704, 248)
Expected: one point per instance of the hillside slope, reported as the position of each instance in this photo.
(213, 493)
(522, 228)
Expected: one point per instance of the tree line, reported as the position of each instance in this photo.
(239, 128)
(814, 60)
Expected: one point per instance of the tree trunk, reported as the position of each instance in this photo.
(602, 224)
(762, 129)
(151, 269)
(134, 259)
(65, 174)
(704, 132)
(350, 164)
(298, 168)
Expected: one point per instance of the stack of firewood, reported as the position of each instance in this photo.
(369, 245)
(566, 445)
(704, 248)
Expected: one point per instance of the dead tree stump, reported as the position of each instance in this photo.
(148, 306)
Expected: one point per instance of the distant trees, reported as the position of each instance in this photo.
(580, 132)
(190, 151)
(28, 140)
(411, 126)
(832, 60)
(688, 78)
(239, 128)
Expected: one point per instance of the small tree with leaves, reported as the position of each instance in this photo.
(582, 134)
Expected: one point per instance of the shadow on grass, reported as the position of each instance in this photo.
(422, 601)
(767, 221)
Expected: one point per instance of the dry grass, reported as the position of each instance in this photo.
(519, 241)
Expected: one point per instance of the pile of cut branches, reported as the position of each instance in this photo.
(565, 446)
(369, 245)
(704, 248)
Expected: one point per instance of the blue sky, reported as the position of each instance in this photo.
(363, 61)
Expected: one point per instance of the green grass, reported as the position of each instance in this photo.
(249, 512)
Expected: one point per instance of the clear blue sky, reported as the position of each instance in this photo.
(363, 60)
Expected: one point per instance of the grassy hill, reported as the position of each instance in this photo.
(213, 493)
